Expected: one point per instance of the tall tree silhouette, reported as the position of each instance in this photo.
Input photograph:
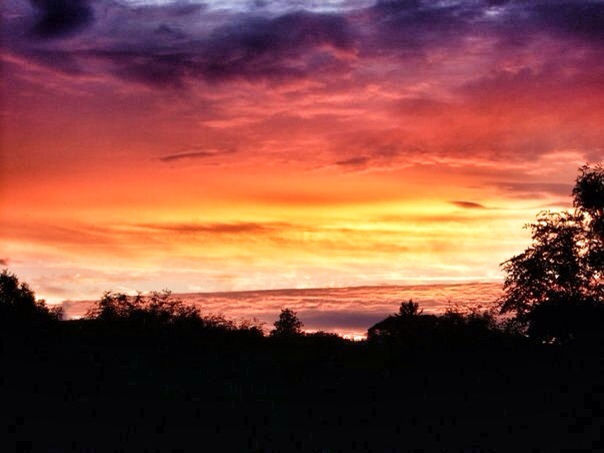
(554, 288)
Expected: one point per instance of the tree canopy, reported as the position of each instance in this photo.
(409, 309)
(156, 308)
(18, 302)
(288, 324)
(555, 287)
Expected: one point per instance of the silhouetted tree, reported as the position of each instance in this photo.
(18, 302)
(111, 307)
(409, 309)
(165, 308)
(252, 326)
(589, 199)
(561, 272)
(288, 324)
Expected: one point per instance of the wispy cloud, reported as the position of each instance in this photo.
(467, 204)
(214, 228)
(181, 156)
(353, 162)
(535, 189)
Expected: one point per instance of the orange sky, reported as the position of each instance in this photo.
(233, 147)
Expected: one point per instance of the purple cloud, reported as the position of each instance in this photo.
(170, 44)
(58, 18)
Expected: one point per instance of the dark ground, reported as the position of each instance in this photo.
(86, 387)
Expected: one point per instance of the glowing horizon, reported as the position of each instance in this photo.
(225, 146)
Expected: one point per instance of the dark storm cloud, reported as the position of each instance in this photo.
(252, 48)
(57, 18)
(171, 44)
(259, 47)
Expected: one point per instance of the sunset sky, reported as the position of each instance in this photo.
(243, 145)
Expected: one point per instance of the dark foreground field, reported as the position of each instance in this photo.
(85, 386)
